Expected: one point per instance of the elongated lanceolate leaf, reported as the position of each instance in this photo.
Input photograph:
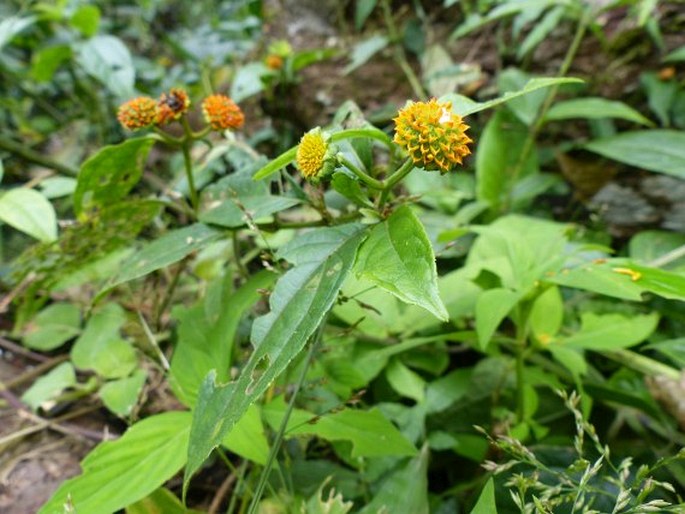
(398, 257)
(594, 108)
(299, 302)
(119, 473)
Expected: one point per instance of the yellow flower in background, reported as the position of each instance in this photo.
(433, 136)
(138, 113)
(172, 106)
(222, 113)
(313, 154)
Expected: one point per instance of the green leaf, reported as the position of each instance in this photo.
(299, 302)
(525, 107)
(30, 212)
(12, 26)
(168, 249)
(370, 433)
(119, 473)
(365, 50)
(248, 81)
(492, 307)
(571, 358)
(405, 490)
(611, 331)
(53, 326)
(547, 314)
(109, 175)
(86, 20)
(594, 108)
(676, 55)
(463, 105)
(649, 245)
(362, 10)
(541, 29)
(46, 61)
(350, 189)
(486, 501)
(161, 501)
(665, 283)
(662, 151)
(206, 342)
(107, 59)
(120, 396)
(247, 437)
(100, 347)
(50, 385)
(499, 151)
(405, 381)
(398, 257)
(598, 277)
(276, 164)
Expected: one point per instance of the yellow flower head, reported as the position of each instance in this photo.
(138, 113)
(172, 106)
(433, 136)
(222, 113)
(314, 155)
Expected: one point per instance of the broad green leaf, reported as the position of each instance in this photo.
(365, 50)
(247, 438)
(118, 473)
(661, 95)
(248, 81)
(53, 326)
(405, 490)
(57, 187)
(676, 55)
(362, 10)
(370, 433)
(486, 501)
(650, 245)
(29, 211)
(120, 396)
(13, 25)
(206, 342)
(664, 283)
(492, 307)
(525, 107)
(571, 358)
(547, 314)
(50, 385)
(594, 108)
(598, 277)
(398, 257)
(164, 251)
(161, 501)
(662, 151)
(109, 175)
(107, 59)
(299, 302)
(405, 381)
(86, 20)
(350, 189)
(611, 331)
(499, 151)
(463, 105)
(100, 347)
(276, 164)
(46, 61)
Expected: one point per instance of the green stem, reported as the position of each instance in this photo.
(400, 55)
(393, 179)
(539, 121)
(369, 181)
(29, 155)
(254, 505)
(185, 148)
(371, 133)
(642, 364)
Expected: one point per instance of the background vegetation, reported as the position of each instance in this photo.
(374, 337)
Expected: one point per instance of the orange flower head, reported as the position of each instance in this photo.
(274, 62)
(222, 113)
(433, 136)
(172, 106)
(138, 113)
(314, 156)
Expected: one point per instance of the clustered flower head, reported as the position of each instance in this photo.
(314, 156)
(172, 106)
(433, 136)
(138, 113)
(222, 113)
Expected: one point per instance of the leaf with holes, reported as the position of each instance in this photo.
(299, 303)
(109, 175)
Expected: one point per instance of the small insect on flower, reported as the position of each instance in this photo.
(433, 136)
(222, 113)
(172, 106)
(138, 113)
(314, 156)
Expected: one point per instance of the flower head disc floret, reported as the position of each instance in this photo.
(172, 106)
(433, 136)
(222, 113)
(138, 113)
(314, 156)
